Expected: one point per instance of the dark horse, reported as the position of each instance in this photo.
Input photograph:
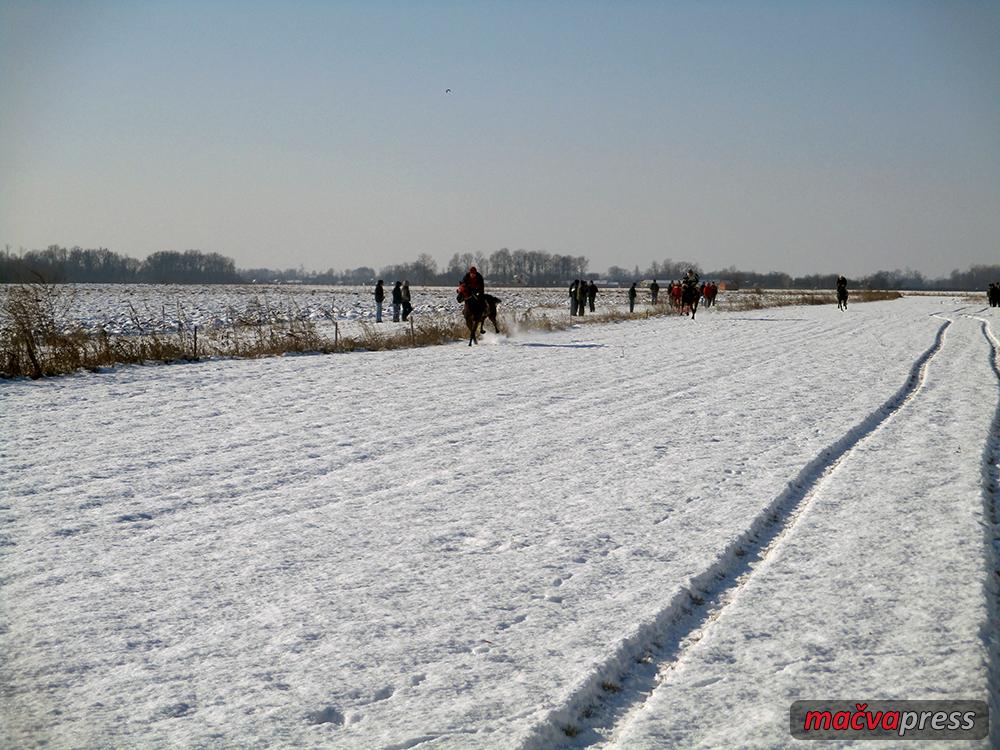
(477, 310)
(689, 298)
(841, 297)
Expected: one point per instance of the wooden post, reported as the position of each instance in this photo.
(196, 342)
(336, 335)
(413, 333)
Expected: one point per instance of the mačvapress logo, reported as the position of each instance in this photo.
(889, 720)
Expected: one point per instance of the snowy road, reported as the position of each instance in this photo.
(456, 548)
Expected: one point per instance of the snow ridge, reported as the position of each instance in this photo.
(991, 508)
(609, 696)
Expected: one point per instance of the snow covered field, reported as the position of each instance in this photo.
(126, 309)
(129, 308)
(649, 535)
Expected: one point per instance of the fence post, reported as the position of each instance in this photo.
(413, 334)
(336, 335)
(196, 342)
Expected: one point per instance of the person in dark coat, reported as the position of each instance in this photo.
(379, 299)
(631, 297)
(397, 301)
(473, 282)
(592, 294)
(407, 307)
(654, 291)
(581, 297)
(572, 296)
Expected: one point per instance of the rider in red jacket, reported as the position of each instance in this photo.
(473, 283)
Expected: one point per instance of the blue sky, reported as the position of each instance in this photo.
(806, 137)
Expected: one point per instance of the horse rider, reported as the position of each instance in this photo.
(691, 280)
(473, 284)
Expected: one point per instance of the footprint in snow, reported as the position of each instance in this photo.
(328, 715)
(134, 517)
(175, 711)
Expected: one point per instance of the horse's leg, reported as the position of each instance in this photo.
(471, 325)
(493, 318)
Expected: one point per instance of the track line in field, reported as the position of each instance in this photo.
(991, 512)
(615, 691)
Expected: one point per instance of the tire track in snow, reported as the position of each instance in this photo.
(614, 691)
(991, 512)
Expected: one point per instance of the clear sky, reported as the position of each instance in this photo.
(798, 136)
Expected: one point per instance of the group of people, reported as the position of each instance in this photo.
(401, 305)
(581, 294)
(691, 284)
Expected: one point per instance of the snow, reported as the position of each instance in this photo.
(127, 309)
(454, 547)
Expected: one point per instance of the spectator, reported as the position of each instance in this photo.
(592, 294)
(407, 307)
(631, 298)
(572, 296)
(397, 301)
(581, 297)
(379, 298)
(654, 291)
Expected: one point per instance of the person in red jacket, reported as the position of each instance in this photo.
(472, 284)
(675, 294)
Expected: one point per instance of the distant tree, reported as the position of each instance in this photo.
(617, 273)
(424, 270)
(189, 267)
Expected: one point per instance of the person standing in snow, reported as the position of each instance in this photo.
(631, 298)
(654, 291)
(407, 307)
(592, 295)
(379, 299)
(397, 301)
(572, 297)
(581, 297)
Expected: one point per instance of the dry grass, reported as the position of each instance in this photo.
(36, 341)
(761, 300)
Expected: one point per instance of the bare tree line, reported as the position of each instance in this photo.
(516, 267)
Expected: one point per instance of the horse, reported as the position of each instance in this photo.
(477, 310)
(689, 298)
(841, 297)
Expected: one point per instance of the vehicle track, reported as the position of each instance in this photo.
(991, 512)
(613, 692)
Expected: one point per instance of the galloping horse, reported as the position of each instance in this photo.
(477, 310)
(689, 298)
(841, 297)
